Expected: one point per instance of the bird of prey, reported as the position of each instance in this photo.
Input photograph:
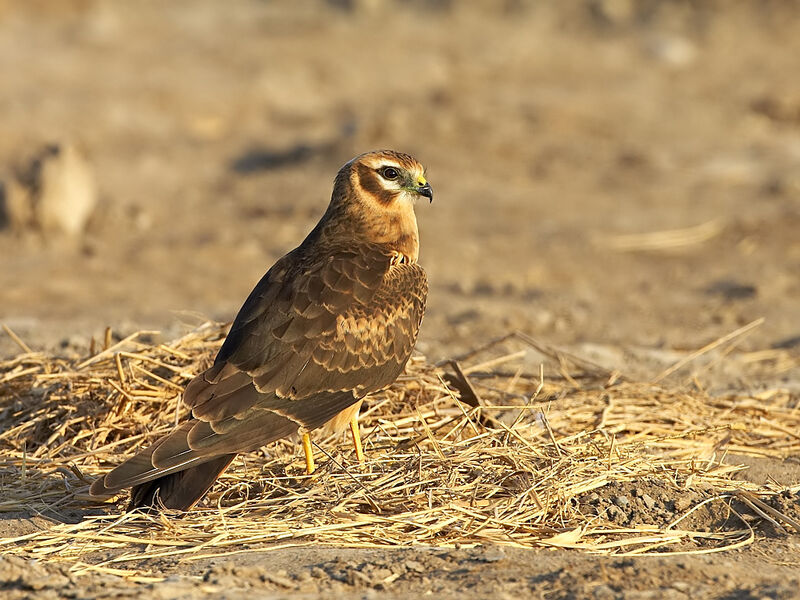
(332, 321)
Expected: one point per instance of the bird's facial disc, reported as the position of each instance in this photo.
(405, 183)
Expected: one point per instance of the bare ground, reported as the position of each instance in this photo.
(554, 137)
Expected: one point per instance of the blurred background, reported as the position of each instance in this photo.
(617, 172)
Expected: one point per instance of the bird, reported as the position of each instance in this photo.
(331, 322)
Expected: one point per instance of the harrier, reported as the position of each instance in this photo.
(332, 321)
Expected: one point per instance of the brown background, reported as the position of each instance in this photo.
(550, 131)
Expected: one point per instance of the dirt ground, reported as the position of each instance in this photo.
(618, 178)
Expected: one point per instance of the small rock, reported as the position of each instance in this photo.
(308, 587)
(355, 578)
(415, 565)
(280, 578)
(621, 501)
(681, 586)
(602, 592)
(648, 501)
(495, 554)
(682, 503)
(384, 574)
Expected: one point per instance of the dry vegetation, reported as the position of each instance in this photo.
(535, 459)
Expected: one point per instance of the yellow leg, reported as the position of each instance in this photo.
(356, 438)
(309, 452)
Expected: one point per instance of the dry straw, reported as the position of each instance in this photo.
(527, 461)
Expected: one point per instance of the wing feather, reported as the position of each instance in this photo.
(313, 338)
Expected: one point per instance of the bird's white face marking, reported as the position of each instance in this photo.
(395, 177)
(390, 180)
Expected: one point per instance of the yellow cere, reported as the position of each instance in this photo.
(421, 181)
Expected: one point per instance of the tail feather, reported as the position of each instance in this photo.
(180, 474)
(179, 468)
(140, 468)
(181, 490)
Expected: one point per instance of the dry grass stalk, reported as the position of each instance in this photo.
(516, 468)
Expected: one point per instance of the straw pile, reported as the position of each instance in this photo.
(570, 456)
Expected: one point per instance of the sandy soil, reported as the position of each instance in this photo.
(554, 136)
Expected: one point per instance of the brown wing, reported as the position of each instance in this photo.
(345, 326)
(312, 339)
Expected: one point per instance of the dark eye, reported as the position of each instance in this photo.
(390, 173)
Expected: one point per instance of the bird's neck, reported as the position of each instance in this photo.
(394, 230)
(403, 236)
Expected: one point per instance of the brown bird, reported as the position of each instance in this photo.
(332, 321)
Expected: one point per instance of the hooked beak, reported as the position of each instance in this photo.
(426, 190)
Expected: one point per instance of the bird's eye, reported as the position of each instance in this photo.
(390, 173)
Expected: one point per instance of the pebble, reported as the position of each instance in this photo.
(415, 565)
(621, 501)
(318, 573)
(648, 500)
(279, 578)
(601, 592)
(681, 586)
(495, 554)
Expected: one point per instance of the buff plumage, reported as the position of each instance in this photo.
(332, 321)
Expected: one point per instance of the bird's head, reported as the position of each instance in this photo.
(377, 191)
(387, 178)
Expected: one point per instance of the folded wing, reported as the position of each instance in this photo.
(316, 335)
